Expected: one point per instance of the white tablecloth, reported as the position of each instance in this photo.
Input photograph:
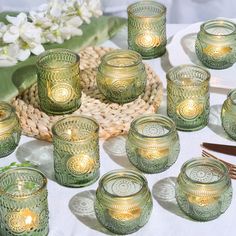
(71, 209)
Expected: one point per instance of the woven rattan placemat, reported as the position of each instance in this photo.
(114, 119)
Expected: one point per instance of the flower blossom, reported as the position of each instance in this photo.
(53, 22)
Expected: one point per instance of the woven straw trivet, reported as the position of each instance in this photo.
(114, 119)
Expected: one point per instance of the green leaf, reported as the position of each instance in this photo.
(15, 165)
(15, 79)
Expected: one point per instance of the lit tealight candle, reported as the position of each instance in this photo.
(217, 51)
(125, 211)
(125, 215)
(147, 28)
(202, 200)
(154, 153)
(148, 40)
(189, 109)
(81, 164)
(23, 221)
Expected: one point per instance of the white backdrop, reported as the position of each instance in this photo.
(179, 11)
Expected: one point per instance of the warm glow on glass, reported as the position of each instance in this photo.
(81, 164)
(152, 154)
(125, 215)
(148, 40)
(189, 109)
(217, 51)
(202, 200)
(24, 220)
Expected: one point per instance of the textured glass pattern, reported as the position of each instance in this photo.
(216, 45)
(24, 206)
(121, 76)
(58, 81)
(228, 114)
(203, 189)
(153, 143)
(10, 130)
(147, 28)
(188, 97)
(76, 151)
(123, 201)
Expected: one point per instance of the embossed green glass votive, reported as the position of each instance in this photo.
(58, 81)
(188, 97)
(123, 201)
(76, 151)
(153, 143)
(121, 76)
(147, 28)
(216, 44)
(10, 129)
(203, 189)
(23, 200)
(228, 114)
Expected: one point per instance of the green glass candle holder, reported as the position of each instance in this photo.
(216, 44)
(188, 97)
(147, 28)
(59, 88)
(153, 143)
(203, 189)
(10, 129)
(24, 206)
(76, 151)
(228, 114)
(121, 76)
(123, 201)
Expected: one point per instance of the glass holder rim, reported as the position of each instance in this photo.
(162, 6)
(123, 172)
(42, 187)
(75, 116)
(45, 53)
(206, 160)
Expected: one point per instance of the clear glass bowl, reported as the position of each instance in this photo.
(147, 28)
(76, 151)
(203, 189)
(24, 204)
(10, 129)
(153, 143)
(216, 45)
(59, 88)
(121, 76)
(123, 201)
(188, 96)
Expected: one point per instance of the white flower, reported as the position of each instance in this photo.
(94, 7)
(27, 48)
(58, 33)
(56, 7)
(41, 20)
(24, 33)
(78, 8)
(3, 29)
(84, 12)
(8, 55)
(53, 22)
